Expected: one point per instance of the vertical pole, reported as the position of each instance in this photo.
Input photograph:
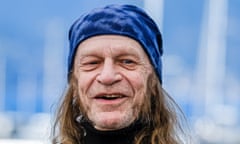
(53, 75)
(2, 78)
(26, 90)
(212, 55)
(155, 8)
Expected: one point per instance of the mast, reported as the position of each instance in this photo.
(212, 54)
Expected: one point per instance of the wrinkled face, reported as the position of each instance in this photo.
(112, 73)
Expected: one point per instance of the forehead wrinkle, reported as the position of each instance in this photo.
(112, 47)
(130, 50)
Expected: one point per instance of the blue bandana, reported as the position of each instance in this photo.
(125, 20)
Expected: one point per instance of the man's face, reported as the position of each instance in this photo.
(112, 73)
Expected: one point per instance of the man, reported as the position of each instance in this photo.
(114, 93)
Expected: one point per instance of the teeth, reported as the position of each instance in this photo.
(112, 96)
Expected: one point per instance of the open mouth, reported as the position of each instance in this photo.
(110, 97)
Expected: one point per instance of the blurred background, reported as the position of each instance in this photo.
(201, 63)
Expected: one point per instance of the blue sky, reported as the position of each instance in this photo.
(23, 26)
(34, 48)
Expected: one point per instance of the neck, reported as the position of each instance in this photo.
(121, 136)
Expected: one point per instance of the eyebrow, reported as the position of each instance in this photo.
(128, 54)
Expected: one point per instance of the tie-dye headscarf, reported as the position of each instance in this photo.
(125, 20)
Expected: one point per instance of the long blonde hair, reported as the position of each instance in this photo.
(164, 120)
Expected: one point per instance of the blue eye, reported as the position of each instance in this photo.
(127, 61)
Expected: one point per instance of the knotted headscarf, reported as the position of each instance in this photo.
(125, 20)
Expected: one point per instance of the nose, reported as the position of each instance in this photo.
(108, 74)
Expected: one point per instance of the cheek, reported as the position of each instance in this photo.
(138, 82)
(138, 79)
(84, 82)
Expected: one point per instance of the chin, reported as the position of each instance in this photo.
(112, 121)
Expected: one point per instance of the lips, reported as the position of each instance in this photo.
(110, 96)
